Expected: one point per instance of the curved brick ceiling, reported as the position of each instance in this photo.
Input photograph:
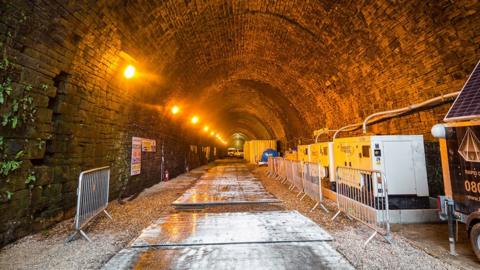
(283, 68)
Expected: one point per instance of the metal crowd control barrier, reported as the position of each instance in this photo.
(92, 197)
(280, 168)
(297, 177)
(313, 174)
(271, 167)
(288, 172)
(363, 195)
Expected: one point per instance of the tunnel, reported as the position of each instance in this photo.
(246, 70)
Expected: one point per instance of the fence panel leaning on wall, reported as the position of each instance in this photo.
(312, 177)
(92, 198)
(363, 195)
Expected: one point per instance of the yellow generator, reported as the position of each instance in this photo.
(401, 160)
(323, 153)
(303, 152)
(291, 155)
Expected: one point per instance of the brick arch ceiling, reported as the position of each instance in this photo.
(203, 49)
(320, 56)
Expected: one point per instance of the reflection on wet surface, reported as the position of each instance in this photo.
(223, 228)
(310, 255)
(226, 184)
(232, 240)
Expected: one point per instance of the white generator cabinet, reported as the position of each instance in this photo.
(400, 158)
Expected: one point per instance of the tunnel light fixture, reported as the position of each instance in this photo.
(206, 128)
(129, 72)
(175, 109)
(194, 119)
(212, 133)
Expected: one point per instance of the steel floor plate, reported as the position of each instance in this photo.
(226, 185)
(186, 229)
(274, 256)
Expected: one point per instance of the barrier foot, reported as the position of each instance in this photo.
(315, 206)
(108, 215)
(369, 239)
(84, 235)
(388, 237)
(304, 194)
(324, 208)
(71, 237)
(336, 215)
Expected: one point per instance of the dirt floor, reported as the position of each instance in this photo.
(412, 248)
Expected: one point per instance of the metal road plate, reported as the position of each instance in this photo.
(225, 191)
(228, 228)
(277, 256)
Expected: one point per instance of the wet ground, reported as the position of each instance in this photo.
(224, 185)
(414, 246)
(230, 240)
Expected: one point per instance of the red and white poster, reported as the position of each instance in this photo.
(136, 161)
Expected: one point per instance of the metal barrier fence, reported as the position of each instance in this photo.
(288, 172)
(280, 168)
(313, 174)
(297, 177)
(363, 195)
(92, 197)
(271, 167)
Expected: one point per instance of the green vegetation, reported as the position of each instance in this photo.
(17, 106)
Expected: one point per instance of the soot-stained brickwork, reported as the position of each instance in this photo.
(85, 114)
(267, 69)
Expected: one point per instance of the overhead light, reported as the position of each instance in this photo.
(129, 72)
(194, 119)
(212, 133)
(175, 109)
(205, 128)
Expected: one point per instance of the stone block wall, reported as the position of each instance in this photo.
(67, 59)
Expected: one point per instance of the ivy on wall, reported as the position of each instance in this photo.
(17, 106)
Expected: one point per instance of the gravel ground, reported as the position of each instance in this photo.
(46, 250)
(350, 236)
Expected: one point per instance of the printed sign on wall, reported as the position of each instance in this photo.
(149, 145)
(136, 161)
